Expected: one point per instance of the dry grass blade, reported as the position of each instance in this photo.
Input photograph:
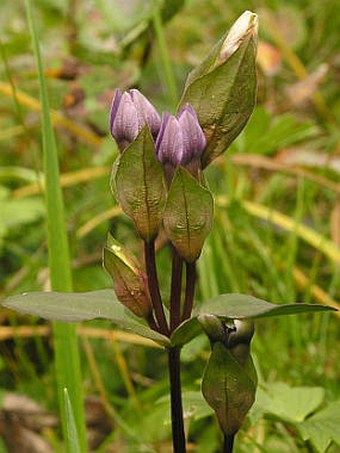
(7, 332)
(267, 163)
(57, 118)
(310, 236)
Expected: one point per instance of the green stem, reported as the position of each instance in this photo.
(67, 359)
(189, 290)
(164, 56)
(228, 444)
(178, 434)
(176, 290)
(156, 298)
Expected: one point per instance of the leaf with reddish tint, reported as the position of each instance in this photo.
(129, 282)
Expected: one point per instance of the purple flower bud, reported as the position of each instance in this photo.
(193, 138)
(170, 143)
(180, 140)
(130, 112)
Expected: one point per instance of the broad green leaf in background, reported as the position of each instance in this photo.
(265, 134)
(242, 306)
(292, 404)
(14, 213)
(188, 215)
(139, 184)
(73, 307)
(323, 427)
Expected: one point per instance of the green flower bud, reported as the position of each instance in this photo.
(222, 89)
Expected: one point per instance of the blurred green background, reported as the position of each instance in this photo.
(277, 219)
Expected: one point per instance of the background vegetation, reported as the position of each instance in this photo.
(277, 221)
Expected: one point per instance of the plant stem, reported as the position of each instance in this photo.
(189, 290)
(178, 435)
(156, 298)
(228, 444)
(176, 290)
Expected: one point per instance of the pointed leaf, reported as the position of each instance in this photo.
(74, 307)
(188, 215)
(186, 332)
(222, 89)
(139, 185)
(242, 306)
(129, 282)
(228, 389)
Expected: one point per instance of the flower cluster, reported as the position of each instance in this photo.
(179, 139)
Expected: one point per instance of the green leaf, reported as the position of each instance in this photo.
(73, 307)
(188, 215)
(222, 91)
(228, 389)
(323, 427)
(14, 213)
(138, 182)
(292, 404)
(186, 332)
(130, 283)
(242, 306)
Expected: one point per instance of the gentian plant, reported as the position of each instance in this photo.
(158, 179)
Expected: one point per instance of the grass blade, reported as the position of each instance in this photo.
(65, 340)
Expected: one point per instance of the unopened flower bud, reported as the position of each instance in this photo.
(130, 112)
(180, 140)
(245, 26)
(169, 143)
(222, 89)
(193, 138)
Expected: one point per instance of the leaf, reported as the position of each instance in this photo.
(139, 184)
(323, 427)
(130, 283)
(223, 93)
(186, 332)
(292, 404)
(228, 389)
(188, 215)
(14, 213)
(74, 307)
(194, 405)
(242, 306)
